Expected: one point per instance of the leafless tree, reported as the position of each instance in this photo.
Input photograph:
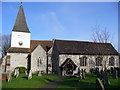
(6, 39)
(100, 35)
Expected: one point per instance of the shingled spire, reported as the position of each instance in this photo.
(20, 24)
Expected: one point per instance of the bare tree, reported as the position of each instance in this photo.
(6, 39)
(100, 35)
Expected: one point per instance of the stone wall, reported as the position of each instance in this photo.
(18, 60)
(90, 61)
(38, 52)
(50, 61)
(55, 60)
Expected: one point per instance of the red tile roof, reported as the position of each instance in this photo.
(44, 43)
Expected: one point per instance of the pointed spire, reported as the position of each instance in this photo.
(20, 24)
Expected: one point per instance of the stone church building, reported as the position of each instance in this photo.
(56, 56)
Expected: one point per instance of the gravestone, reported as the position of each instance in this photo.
(26, 73)
(17, 73)
(79, 75)
(99, 84)
(111, 69)
(63, 73)
(39, 73)
(118, 71)
(83, 74)
(30, 75)
(114, 73)
(105, 78)
(8, 77)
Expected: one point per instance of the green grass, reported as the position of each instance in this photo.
(23, 82)
(88, 82)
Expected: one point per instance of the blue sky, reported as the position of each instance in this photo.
(65, 20)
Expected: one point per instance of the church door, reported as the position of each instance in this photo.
(68, 66)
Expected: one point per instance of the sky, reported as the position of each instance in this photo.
(63, 20)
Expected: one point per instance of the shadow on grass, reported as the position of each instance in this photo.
(25, 77)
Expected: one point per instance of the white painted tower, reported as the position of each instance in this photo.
(20, 37)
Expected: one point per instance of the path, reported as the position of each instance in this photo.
(54, 83)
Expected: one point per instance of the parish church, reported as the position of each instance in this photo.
(55, 56)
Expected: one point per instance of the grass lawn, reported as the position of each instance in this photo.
(88, 82)
(23, 82)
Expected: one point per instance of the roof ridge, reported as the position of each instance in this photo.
(81, 41)
(41, 40)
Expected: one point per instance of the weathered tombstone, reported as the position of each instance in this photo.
(111, 69)
(99, 84)
(79, 75)
(8, 77)
(114, 73)
(39, 73)
(30, 75)
(63, 73)
(105, 77)
(118, 71)
(83, 74)
(26, 73)
(17, 73)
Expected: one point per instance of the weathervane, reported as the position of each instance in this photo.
(20, 3)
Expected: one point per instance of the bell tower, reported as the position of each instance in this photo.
(20, 37)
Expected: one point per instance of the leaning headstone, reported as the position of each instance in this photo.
(30, 75)
(114, 73)
(17, 73)
(83, 74)
(8, 77)
(105, 77)
(99, 84)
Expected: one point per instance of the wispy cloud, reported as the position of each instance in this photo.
(53, 23)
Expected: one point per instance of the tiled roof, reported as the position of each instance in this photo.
(18, 50)
(44, 43)
(81, 47)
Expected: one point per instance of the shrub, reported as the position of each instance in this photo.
(21, 69)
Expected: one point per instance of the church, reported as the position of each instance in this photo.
(55, 56)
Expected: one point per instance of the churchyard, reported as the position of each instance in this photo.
(107, 79)
(22, 81)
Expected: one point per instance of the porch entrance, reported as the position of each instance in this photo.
(68, 66)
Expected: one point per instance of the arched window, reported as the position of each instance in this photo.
(99, 61)
(83, 61)
(111, 61)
